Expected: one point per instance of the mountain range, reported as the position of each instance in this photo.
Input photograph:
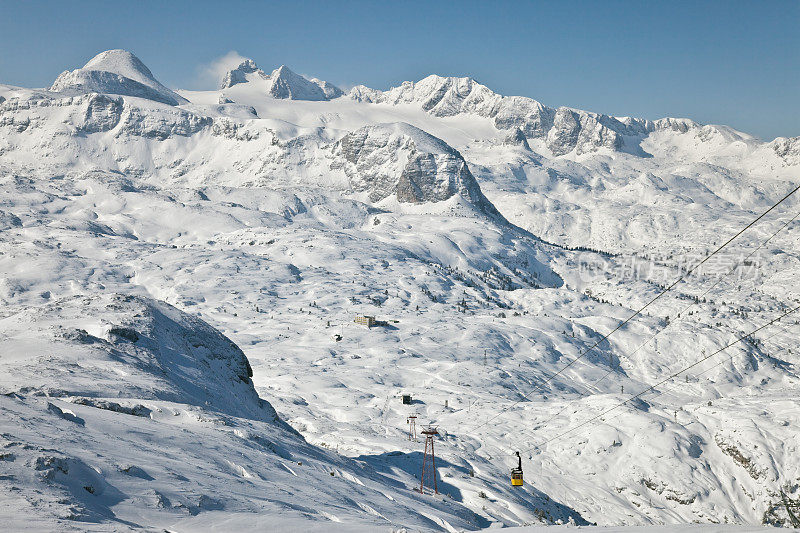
(180, 272)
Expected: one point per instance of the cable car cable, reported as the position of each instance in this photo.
(660, 392)
(672, 376)
(657, 393)
(682, 311)
(640, 310)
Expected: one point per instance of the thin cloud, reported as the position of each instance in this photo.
(210, 74)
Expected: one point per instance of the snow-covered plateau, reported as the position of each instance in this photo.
(180, 272)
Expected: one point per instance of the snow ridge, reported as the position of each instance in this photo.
(563, 129)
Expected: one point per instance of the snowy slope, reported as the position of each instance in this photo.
(138, 236)
(146, 397)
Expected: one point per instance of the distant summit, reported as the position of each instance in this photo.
(239, 74)
(331, 91)
(116, 72)
(281, 83)
(286, 84)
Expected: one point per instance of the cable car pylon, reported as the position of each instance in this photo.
(412, 427)
(430, 432)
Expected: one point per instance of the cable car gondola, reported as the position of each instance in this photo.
(516, 473)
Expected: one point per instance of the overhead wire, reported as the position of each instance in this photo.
(638, 311)
(659, 392)
(670, 377)
(723, 361)
(695, 302)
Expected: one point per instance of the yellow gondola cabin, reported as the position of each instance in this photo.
(516, 473)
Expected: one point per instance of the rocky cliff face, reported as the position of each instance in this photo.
(96, 113)
(579, 131)
(399, 159)
(788, 148)
(239, 74)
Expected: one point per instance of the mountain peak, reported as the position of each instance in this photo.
(116, 72)
(282, 82)
(287, 84)
(239, 74)
(248, 64)
(331, 91)
(121, 62)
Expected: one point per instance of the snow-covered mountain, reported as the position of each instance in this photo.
(562, 129)
(180, 271)
(115, 72)
(149, 396)
(281, 83)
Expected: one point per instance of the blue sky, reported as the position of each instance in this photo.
(728, 62)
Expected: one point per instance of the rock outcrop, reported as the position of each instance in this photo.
(788, 148)
(239, 74)
(517, 138)
(399, 159)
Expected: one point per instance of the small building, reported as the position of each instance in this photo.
(407, 399)
(365, 320)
